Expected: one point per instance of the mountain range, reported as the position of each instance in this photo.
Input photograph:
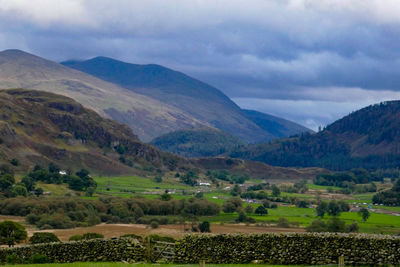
(198, 99)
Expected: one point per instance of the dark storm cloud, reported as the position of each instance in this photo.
(311, 54)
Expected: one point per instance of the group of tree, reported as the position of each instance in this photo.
(389, 197)
(333, 225)
(8, 186)
(332, 208)
(224, 175)
(12, 233)
(347, 179)
(298, 187)
(69, 212)
(80, 181)
(190, 178)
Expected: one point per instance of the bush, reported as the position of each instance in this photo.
(154, 224)
(334, 225)
(87, 236)
(283, 222)
(76, 238)
(14, 259)
(261, 210)
(204, 227)
(39, 259)
(43, 237)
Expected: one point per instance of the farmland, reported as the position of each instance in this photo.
(378, 222)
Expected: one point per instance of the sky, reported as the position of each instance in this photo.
(310, 61)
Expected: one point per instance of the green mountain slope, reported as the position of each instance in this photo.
(368, 138)
(198, 142)
(148, 117)
(38, 127)
(200, 100)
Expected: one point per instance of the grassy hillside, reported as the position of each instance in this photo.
(198, 142)
(200, 100)
(368, 138)
(38, 128)
(148, 117)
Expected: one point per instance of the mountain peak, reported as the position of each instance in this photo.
(15, 53)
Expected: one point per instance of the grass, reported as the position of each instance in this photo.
(55, 189)
(147, 187)
(119, 185)
(117, 264)
(322, 187)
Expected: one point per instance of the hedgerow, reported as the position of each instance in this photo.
(297, 248)
(122, 249)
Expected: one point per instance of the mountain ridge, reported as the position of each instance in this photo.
(148, 117)
(203, 101)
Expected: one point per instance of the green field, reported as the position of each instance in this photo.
(127, 186)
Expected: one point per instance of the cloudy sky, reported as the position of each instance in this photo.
(311, 61)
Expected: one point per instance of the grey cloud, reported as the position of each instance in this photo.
(291, 51)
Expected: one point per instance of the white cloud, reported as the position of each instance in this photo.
(46, 12)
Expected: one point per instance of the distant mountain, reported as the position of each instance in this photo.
(148, 117)
(200, 100)
(198, 142)
(368, 138)
(276, 126)
(39, 127)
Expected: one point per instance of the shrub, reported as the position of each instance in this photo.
(39, 259)
(14, 259)
(283, 222)
(154, 224)
(204, 227)
(317, 226)
(261, 210)
(88, 236)
(353, 227)
(14, 162)
(76, 238)
(43, 237)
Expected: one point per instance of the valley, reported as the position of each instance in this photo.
(68, 170)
